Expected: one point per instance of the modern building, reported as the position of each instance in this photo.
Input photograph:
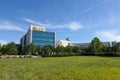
(38, 36)
(85, 45)
(80, 45)
(63, 43)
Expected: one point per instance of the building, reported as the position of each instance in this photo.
(38, 36)
(85, 45)
(63, 43)
(81, 45)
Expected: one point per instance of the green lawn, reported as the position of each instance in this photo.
(61, 68)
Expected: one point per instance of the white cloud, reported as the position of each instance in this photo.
(105, 1)
(113, 19)
(108, 35)
(3, 42)
(88, 9)
(72, 25)
(5, 25)
(75, 26)
(32, 21)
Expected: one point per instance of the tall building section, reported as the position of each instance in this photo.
(38, 36)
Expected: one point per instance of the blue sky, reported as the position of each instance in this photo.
(80, 20)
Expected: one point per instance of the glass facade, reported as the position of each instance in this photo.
(41, 38)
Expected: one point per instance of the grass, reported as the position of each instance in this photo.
(61, 68)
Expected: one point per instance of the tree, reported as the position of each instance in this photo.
(29, 49)
(76, 50)
(0, 48)
(38, 49)
(106, 49)
(69, 50)
(47, 50)
(60, 50)
(96, 46)
(3, 49)
(115, 46)
(10, 49)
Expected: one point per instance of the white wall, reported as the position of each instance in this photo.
(63, 43)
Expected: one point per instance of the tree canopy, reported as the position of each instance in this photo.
(48, 49)
(29, 49)
(9, 49)
(96, 46)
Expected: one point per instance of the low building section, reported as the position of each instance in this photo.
(63, 43)
(81, 45)
(85, 45)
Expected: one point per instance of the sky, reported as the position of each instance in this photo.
(80, 20)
